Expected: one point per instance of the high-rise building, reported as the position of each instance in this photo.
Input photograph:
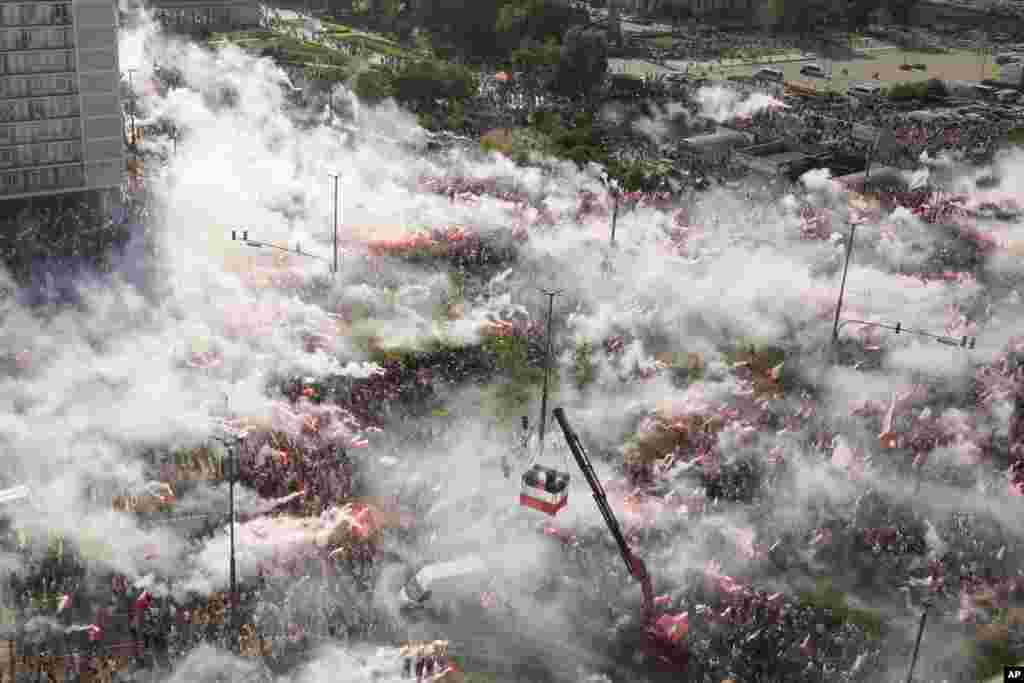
(61, 128)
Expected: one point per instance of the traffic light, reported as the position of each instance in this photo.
(234, 235)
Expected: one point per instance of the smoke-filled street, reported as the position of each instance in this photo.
(301, 428)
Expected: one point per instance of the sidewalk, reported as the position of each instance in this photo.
(681, 64)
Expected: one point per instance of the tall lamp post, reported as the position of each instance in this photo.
(917, 642)
(842, 284)
(849, 245)
(550, 294)
(334, 226)
(231, 472)
(131, 112)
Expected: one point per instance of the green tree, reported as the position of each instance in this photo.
(901, 10)
(373, 85)
(858, 13)
(522, 21)
(583, 61)
(584, 368)
(521, 381)
(535, 57)
(420, 82)
(469, 26)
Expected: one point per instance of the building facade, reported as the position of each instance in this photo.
(195, 17)
(60, 106)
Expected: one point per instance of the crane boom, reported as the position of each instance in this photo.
(635, 566)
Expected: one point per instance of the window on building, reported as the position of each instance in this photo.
(10, 181)
(28, 14)
(62, 14)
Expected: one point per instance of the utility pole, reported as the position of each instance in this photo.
(615, 214)
(233, 579)
(917, 643)
(131, 112)
(550, 294)
(849, 246)
(334, 230)
(842, 284)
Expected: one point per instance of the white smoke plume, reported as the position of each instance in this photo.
(724, 104)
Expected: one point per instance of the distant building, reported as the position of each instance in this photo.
(780, 159)
(880, 178)
(60, 107)
(196, 17)
(714, 147)
(1012, 75)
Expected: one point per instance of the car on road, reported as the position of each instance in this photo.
(812, 70)
(767, 74)
(865, 91)
(1008, 96)
(444, 583)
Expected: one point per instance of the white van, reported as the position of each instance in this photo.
(767, 74)
(865, 91)
(444, 582)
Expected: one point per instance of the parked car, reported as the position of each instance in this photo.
(767, 74)
(812, 70)
(444, 583)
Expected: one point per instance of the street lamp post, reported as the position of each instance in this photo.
(231, 444)
(842, 284)
(131, 112)
(232, 472)
(849, 244)
(334, 227)
(551, 294)
(615, 215)
(917, 643)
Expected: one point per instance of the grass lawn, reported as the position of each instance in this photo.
(299, 50)
(294, 49)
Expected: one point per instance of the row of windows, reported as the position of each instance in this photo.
(42, 153)
(60, 129)
(35, 110)
(37, 62)
(26, 86)
(33, 39)
(211, 16)
(35, 14)
(40, 179)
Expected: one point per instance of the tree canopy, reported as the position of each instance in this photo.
(584, 61)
